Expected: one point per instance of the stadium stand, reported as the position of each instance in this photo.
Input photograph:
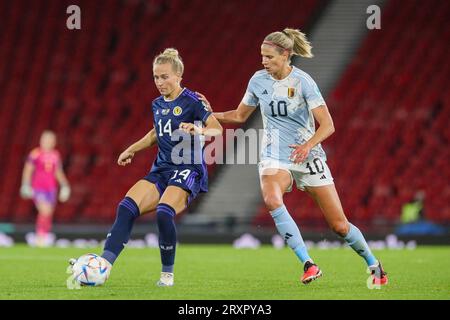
(94, 86)
(391, 109)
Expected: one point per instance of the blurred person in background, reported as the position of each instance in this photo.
(413, 211)
(42, 174)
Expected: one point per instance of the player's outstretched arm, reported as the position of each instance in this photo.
(238, 116)
(204, 100)
(146, 142)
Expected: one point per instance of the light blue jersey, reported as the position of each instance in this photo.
(286, 108)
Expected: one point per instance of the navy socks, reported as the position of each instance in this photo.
(165, 215)
(118, 236)
(127, 212)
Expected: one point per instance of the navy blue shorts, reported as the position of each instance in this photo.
(183, 177)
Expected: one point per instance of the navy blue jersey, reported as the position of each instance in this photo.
(176, 148)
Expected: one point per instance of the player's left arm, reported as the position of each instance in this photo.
(213, 127)
(326, 125)
(203, 113)
(326, 129)
(64, 191)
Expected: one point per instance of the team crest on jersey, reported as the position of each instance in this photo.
(177, 111)
(291, 92)
(165, 112)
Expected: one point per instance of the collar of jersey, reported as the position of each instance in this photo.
(181, 92)
(290, 73)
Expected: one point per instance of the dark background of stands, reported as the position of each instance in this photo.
(94, 87)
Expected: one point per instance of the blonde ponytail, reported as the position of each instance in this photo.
(171, 55)
(291, 40)
(302, 46)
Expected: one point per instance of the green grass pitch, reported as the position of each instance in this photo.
(210, 272)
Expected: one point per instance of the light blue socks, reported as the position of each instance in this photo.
(356, 241)
(289, 231)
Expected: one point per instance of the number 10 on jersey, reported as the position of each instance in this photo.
(280, 110)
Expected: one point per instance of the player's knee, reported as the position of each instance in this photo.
(46, 213)
(46, 210)
(340, 228)
(272, 202)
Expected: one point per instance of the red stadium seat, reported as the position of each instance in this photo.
(94, 88)
(391, 119)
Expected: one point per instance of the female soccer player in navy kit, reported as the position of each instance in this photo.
(290, 100)
(171, 183)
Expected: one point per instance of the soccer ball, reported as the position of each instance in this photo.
(91, 270)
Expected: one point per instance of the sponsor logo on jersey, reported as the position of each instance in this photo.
(177, 111)
(291, 92)
(265, 92)
(165, 112)
(205, 106)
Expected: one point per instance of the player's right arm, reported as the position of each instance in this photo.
(26, 192)
(238, 116)
(241, 114)
(147, 141)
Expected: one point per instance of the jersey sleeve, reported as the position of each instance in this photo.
(33, 156)
(201, 111)
(153, 113)
(250, 99)
(311, 93)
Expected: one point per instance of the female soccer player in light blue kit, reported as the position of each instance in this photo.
(290, 100)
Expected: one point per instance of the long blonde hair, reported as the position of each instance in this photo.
(171, 55)
(291, 40)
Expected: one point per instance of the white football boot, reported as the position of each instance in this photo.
(166, 279)
(70, 267)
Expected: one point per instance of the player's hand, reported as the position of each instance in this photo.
(205, 101)
(26, 192)
(299, 153)
(125, 158)
(64, 193)
(190, 128)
